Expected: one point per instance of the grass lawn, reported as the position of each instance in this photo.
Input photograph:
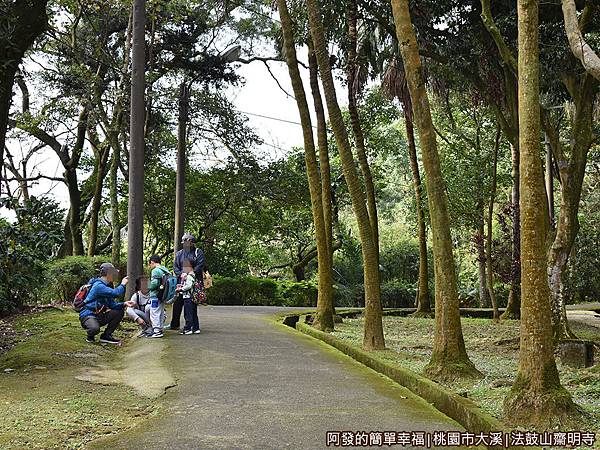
(43, 404)
(493, 348)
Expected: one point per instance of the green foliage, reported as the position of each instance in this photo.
(394, 294)
(24, 246)
(252, 291)
(64, 276)
(247, 291)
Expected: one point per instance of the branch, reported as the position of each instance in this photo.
(579, 47)
(36, 178)
(490, 25)
(276, 80)
(266, 59)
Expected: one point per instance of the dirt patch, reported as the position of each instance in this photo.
(141, 368)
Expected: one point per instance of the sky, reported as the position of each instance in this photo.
(259, 96)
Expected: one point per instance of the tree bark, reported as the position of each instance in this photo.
(571, 172)
(484, 293)
(324, 318)
(549, 180)
(490, 217)
(181, 165)
(76, 211)
(322, 143)
(114, 208)
(423, 299)
(449, 357)
(536, 396)
(102, 157)
(135, 224)
(21, 22)
(513, 306)
(373, 330)
(580, 48)
(359, 139)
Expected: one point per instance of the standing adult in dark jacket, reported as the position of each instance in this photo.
(194, 255)
(100, 307)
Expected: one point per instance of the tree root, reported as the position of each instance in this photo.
(447, 370)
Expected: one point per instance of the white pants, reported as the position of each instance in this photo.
(157, 314)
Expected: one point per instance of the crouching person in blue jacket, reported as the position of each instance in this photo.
(100, 307)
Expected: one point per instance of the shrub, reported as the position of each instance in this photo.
(252, 291)
(304, 293)
(394, 294)
(245, 291)
(64, 276)
(398, 294)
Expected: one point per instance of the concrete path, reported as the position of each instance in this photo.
(247, 383)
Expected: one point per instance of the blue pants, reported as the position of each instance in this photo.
(190, 312)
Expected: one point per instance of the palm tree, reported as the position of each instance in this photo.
(394, 86)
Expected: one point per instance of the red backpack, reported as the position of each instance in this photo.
(80, 296)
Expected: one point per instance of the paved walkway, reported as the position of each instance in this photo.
(246, 383)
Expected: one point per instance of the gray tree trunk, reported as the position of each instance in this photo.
(135, 223)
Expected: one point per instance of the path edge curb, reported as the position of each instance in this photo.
(462, 410)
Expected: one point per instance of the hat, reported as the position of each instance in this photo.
(188, 237)
(106, 268)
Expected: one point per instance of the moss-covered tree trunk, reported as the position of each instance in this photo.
(359, 139)
(373, 330)
(513, 306)
(571, 172)
(324, 317)
(423, 298)
(449, 358)
(324, 164)
(484, 293)
(489, 225)
(326, 191)
(536, 396)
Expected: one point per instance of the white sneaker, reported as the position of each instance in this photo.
(197, 332)
(157, 335)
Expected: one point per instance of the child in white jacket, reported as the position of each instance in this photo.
(190, 309)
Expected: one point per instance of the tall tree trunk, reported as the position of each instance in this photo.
(484, 293)
(75, 221)
(423, 300)
(373, 329)
(449, 358)
(103, 153)
(572, 172)
(488, 240)
(181, 165)
(116, 132)
(536, 396)
(324, 317)
(21, 22)
(359, 139)
(135, 224)
(549, 180)
(513, 306)
(326, 191)
(114, 208)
